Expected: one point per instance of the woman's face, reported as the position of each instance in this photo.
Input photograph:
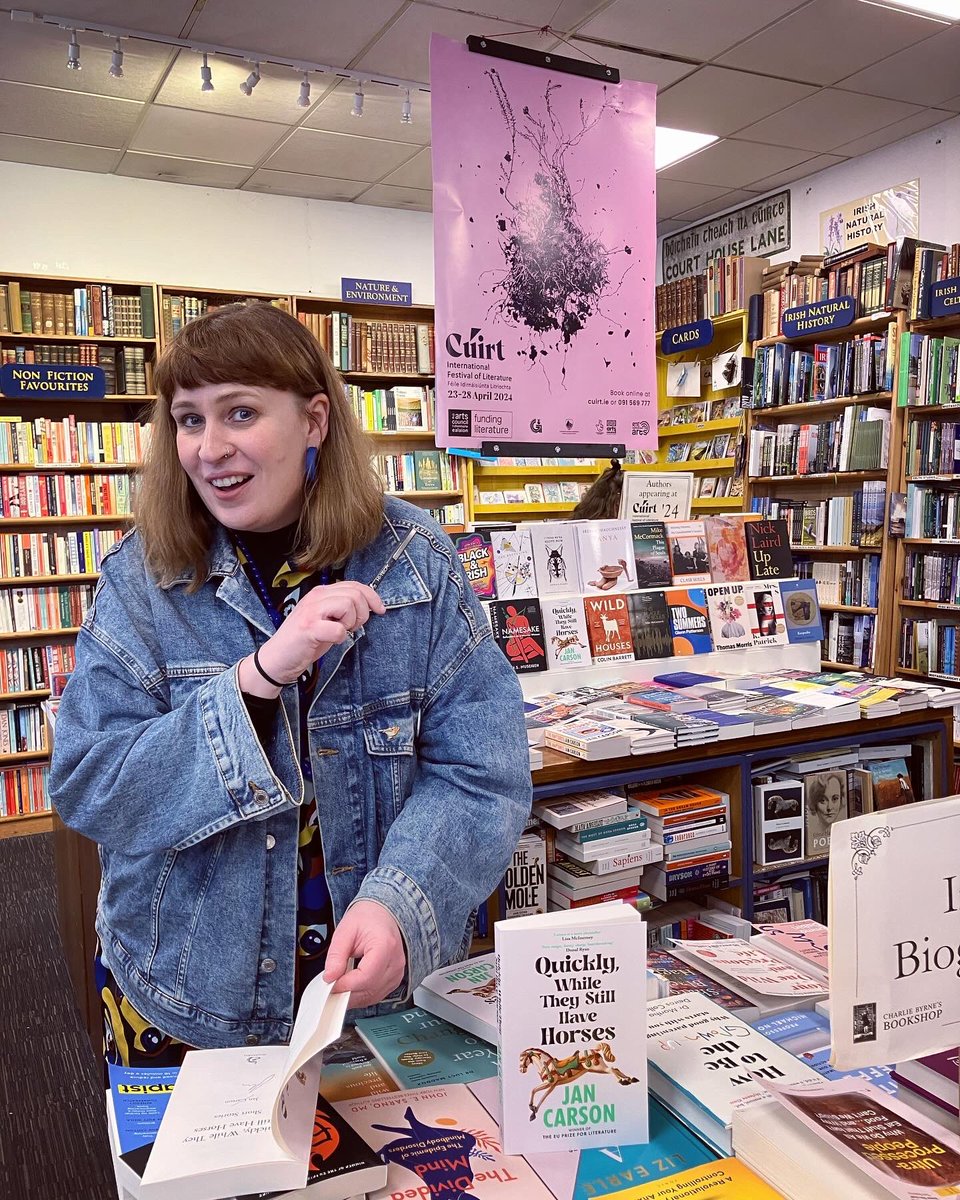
(828, 806)
(244, 449)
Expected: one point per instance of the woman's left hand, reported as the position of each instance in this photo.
(368, 933)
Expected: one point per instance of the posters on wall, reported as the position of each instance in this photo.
(544, 239)
(881, 217)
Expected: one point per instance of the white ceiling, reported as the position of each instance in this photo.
(790, 86)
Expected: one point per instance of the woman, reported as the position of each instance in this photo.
(275, 630)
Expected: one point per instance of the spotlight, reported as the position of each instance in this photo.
(406, 113)
(357, 110)
(73, 52)
(251, 80)
(206, 76)
(116, 62)
(303, 100)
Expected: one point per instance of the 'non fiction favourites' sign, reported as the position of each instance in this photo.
(759, 228)
(375, 291)
(819, 316)
(686, 337)
(945, 298)
(51, 380)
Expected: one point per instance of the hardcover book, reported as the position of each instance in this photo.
(801, 610)
(524, 887)
(768, 548)
(476, 554)
(689, 560)
(890, 784)
(465, 994)
(518, 630)
(727, 547)
(768, 626)
(426, 470)
(513, 563)
(608, 628)
(825, 803)
(555, 560)
(689, 623)
(572, 1054)
(422, 1050)
(565, 631)
(650, 554)
(607, 561)
(729, 616)
(778, 821)
(650, 625)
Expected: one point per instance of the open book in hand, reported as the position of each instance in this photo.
(240, 1120)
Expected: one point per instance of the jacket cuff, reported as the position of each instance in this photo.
(413, 912)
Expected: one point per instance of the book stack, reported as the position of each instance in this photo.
(465, 994)
(771, 983)
(680, 978)
(692, 824)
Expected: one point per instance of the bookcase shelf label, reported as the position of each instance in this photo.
(52, 380)
(819, 317)
(375, 291)
(686, 337)
(945, 298)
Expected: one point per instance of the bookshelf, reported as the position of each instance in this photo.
(65, 495)
(179, 305)
(386, 359)
(700, 432)
(507, 489)
(837, 517)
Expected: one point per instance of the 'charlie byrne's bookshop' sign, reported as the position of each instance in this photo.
(759, 228)
(375, 291)
(50, 380)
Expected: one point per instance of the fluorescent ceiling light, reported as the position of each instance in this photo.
(944, 10)
(673, 144)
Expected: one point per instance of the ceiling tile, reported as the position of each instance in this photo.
(924, 119)
(925, 73)
(714, 100)
(289, 183)
(827, 119)
(384, 196)
(339, 156)
(828, 39)
(274, 98)
(403, 50)
(563, 15)
(182, 133)
(170, 17)
(381, 113)
(645, 68)
(170, 169)
(953, 104)
(714, 207)
(43, 153)
(38, 53)
(332, 34)
(417, 173)
(74, 116)
(812, 166)
(671, 225)
(674, 197)
(734, 163)
(694, 29)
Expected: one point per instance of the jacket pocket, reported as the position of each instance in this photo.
(389, 739)
(183, 680)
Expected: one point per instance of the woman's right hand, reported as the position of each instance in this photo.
(323, 618)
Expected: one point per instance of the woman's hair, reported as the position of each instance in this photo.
(603, 497)
(259, 345)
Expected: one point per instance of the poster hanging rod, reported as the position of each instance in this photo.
(546, 449)
(539, 58)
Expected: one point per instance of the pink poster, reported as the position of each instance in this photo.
(544, 220)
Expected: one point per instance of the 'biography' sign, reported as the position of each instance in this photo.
(759, 228)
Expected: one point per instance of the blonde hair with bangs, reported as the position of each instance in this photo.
(262, 346)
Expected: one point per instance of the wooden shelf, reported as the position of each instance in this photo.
(395, 375)
(74, 468)
(839, 666)
(413, 494)
(38, 695)
(45, 635)
(175, 289)
(950, 410)
(954, 479)
(693, 464)
(23, 756)
(538, 472)
(860, 325)
(718, 426)
(940, 604)
(39, 822)
(75, 337)
(801, 864)
(565, 506)
(37, 580)
(908, 541)
(720, 503)
(836, 549)
(818, 406)
(736, 317)
(425, 435)
(848, 608)
(826, 476)
(85, 520)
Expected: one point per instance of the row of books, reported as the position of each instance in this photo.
(447, 514)
(851, 520)
(563, 558)
(73, 552)
(857, 439)
(927, 371)
(692, 824)
(848, 638)
(126, 369)
(932, 575)
(932, 263)
(61, 494)
(931, 513)
(859, 366)
(730, 282)
(853, 581)
(95, 310)
(24, 790)
(717, 487)
(395, 409)
(933, 448)
(700, 411)
(721, 445)
(177, 309)
(33, 668)
(358, 344)
(550, 491)
(26, 609)
(786, 285)
(681, 302)
(21, 729)
(58, 442)
(420, 470)
(930, 647)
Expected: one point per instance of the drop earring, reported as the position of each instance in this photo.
(310, 464)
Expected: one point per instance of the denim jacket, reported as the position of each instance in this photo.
(419, 758)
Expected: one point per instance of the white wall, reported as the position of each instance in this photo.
(82, 224)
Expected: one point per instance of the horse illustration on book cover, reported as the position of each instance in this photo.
(557, 1072)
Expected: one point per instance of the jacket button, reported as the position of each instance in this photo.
(268, 965)
(259, 795)
(252, 1039)
(271, 841)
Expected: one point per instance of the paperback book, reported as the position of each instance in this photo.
(727, 1179)
(689, 623)
(745, 963)
(565, 632)
(606, 554)
(768, 625)
(649, 619)
(768, 549)
(476, 555)
(518, 630)
(465, 994)
(555, 560)
(727, 547)
(608, 628)
(825, 803)
(801, 611)
(423, 1050)
(651, 555)
(683, 978)
(513, 563)
(351, 1069)
(689, 560)
(729, 617)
